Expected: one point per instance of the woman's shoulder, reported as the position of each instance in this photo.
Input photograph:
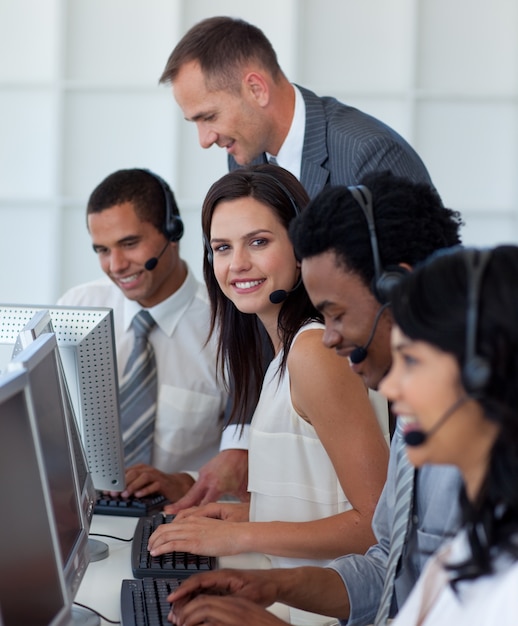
(309, 325)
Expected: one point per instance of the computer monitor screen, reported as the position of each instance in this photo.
(39, 324)
(41, 361)
(86, 343)
(32, 587)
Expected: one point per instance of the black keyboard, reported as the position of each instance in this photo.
(171, 565)
(144, 602)
(130, 507)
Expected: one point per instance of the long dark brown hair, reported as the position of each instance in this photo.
(244, 348)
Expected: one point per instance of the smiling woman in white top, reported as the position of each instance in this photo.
(317, 456)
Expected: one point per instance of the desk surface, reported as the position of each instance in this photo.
(100, 587)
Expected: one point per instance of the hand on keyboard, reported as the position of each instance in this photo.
(145, 480)
(229, 511)
(200, 535)
(222, 610)
(179, 564)
(225, 474)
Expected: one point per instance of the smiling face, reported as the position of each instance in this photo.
(124, 243)
(349, 309)
(424, 385)
(253, 256)
(234, 121)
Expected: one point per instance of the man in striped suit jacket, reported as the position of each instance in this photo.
(226, 78)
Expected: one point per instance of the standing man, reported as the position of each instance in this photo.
(351, 247)
(226, 79)
(135, 227)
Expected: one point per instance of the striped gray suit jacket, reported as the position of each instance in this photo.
(342, 144)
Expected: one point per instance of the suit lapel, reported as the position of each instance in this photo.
(313, 175)
(314, 152)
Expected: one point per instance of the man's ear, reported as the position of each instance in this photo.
(257, 87)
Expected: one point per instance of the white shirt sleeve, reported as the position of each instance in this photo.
(235, 436)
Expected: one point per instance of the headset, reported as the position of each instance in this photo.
(281, 186)
(384, 278)
(476, 372)
(477, 369)
(173, 224)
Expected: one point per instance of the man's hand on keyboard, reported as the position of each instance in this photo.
(144, 480)
(250, 590)
(225, 474)
(224, 611)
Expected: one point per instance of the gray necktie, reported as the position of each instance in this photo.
(138, 394)
(403, 510)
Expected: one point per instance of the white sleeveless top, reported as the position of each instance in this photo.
(290, 476)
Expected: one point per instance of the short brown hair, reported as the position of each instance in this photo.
(222, 45)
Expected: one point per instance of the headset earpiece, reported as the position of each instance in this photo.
(477, 369)
(208, 251)
(476, 374)
(389, 278)
(384, 278)
(173, 225)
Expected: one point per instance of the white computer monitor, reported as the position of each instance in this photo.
(86, 343)
(32, 585)
(40, 360)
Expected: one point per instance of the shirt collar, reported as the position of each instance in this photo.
(168, 312)
(290, 154)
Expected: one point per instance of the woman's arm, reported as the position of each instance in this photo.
(334, 399)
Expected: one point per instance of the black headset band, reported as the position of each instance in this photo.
(173, 225)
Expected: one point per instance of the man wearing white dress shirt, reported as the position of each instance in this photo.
(226, 79)
(135, 228)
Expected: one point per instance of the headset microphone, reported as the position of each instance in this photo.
(151, 263)
(278, 296)
(359, 354)
(414, 438)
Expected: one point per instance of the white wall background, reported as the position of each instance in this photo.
(79, 98)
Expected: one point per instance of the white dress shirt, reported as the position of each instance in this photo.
(290, 155)
(191, 398)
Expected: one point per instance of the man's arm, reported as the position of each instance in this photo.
(315, 589)
(364, 575)
(225, 474)
(436, 516)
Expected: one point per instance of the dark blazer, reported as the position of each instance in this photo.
(342, 144)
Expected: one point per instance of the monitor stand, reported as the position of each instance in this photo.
(80, 615)
(98, 550)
